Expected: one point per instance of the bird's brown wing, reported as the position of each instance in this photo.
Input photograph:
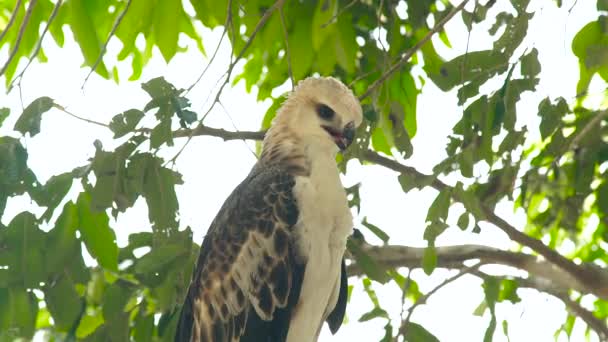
(247, 275)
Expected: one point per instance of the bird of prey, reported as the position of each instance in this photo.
(271, 266)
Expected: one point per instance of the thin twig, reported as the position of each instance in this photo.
(11, 20)
(38, 46)
(63, 109)
(335, 17)
(228, 73)
(409, 53)
(287, 51)
(105, 45)
(26, 19)
(426, 296)
(217, 48)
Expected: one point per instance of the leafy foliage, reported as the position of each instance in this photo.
(559, 181)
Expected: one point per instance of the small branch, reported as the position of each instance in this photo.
(598, 325)
(63, 109)
(11, 21)
(217, 48)
(426, 296)
(105, 45)
(228, 73)
(38, 46)
(335, 17)
(409, 53)
(220, 133)
(26, 19)
(287, 52)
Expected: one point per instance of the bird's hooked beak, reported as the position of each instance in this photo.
(343, 138)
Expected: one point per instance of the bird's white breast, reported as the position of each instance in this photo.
(323, 226)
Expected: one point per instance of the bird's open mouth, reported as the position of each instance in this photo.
(341, 141)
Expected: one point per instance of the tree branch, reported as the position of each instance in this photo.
(453, 257)
(105, 45)
(409, 53)
(38, 45)
(594, 279)
(26, 19)
(592, 123)
(11, 20)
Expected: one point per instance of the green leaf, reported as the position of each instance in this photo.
(24, 308)
(440, 207)
(530, 67)
(125, 122)
(376, 230)
(88, 324)
(551, 115)
(416, 332)
(24, 251)
(115, 299)
(369, 266)
(166, 27)
(96, 233)
(63, 302)
(29, 121)
(463, 221)
(602, 5)
(85, 34)
(158, 190)
(433, 230)
(491, 289)
(478, 65)
(144, 327)
(429, 259)
(374, 313)
(52, 193)
(4, 112)
(508, 291)
(62, 238)
(158, 258)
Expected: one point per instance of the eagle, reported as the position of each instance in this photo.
(271, 266)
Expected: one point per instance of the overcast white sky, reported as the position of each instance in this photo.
(211, 168)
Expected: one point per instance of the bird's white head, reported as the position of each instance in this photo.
(321, 111)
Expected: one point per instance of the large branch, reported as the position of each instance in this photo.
(453, 257)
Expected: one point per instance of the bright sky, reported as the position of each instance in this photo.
(211, 168)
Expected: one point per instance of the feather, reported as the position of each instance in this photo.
(245, 273)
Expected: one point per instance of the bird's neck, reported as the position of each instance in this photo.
(298, 155)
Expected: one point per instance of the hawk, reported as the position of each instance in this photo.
(271, 266)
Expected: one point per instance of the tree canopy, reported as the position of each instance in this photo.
(389, 52)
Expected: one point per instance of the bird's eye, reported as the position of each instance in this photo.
(325, 112)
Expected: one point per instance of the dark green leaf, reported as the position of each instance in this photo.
(62, 238)
(29, 121)
(96, 233)
(159, 257)
(24, 251)
(63, 302)
(376, 230)
(53, 192)
(374, 313)
(24, 308)
(417, 333)
(440, 207)
(551, 115)
(126, 122)
(530, 66)
(4, 112)
(85, 34)
(463, 221)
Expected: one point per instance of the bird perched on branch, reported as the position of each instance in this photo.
(271, 267)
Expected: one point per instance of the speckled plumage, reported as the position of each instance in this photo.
(271, 265)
